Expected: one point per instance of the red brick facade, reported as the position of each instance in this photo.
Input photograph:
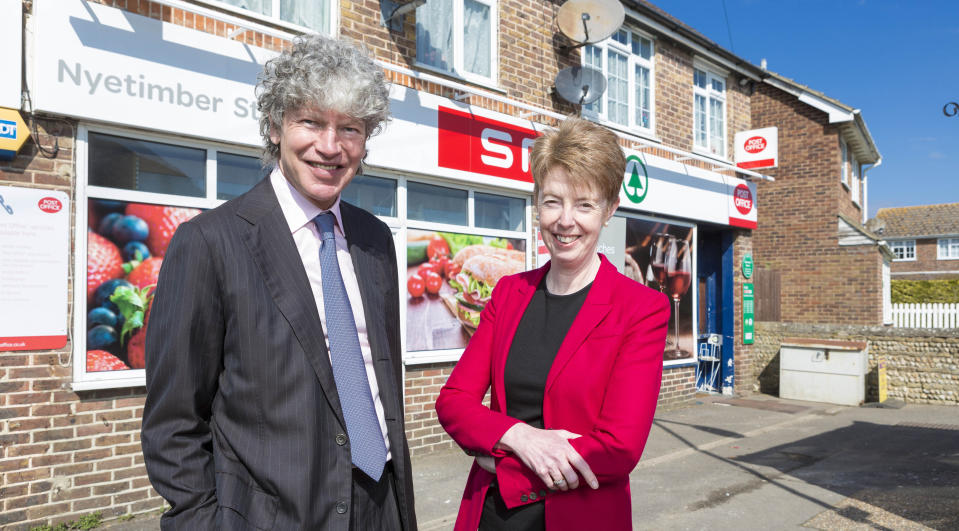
(927, 265)
(822, 282)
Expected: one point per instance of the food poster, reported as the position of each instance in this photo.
(659, 255)
(449, 279)
(126, 243)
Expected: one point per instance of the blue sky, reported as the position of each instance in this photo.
(897, 61)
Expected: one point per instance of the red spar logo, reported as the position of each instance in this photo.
(50, 205)
(743, 199)
(755, 144)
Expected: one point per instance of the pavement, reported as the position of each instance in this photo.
(759, 462)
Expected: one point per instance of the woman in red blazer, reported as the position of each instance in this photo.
(573, 354)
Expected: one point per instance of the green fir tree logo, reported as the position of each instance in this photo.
(636, 183)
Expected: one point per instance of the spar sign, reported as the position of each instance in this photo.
(478, 144)
(758, 148)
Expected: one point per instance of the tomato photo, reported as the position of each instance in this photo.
(424, 268)
(433, 283)
(415, 286)
(437, 247)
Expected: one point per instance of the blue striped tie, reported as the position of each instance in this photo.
(349, 370)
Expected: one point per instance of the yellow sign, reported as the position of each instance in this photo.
(13, 133)
(882, 379)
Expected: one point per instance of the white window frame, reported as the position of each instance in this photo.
(844, 163)
(712, 74)
(458, 47)
(904, 247)
(600, 113)
(951, 246)
(334, 15)
(82, 380)
(401, 224)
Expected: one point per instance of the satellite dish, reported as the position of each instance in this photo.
(588, 21)
(581, 85)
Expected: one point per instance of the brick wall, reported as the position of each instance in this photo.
(423, 430)
(920, 363)
(926, 260)
(797, 235)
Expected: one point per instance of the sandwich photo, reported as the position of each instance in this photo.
(481, 267)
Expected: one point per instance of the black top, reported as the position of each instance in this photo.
(538, 337)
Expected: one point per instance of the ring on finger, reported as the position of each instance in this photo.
(559, 482)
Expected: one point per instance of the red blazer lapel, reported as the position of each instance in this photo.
(512, 313)
(594, 309)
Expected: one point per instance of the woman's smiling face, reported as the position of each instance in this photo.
(570, 219)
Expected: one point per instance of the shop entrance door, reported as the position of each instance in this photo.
(709, 347)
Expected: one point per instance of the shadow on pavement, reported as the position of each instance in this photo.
(908, 470)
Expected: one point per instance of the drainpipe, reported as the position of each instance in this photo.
(865, 189)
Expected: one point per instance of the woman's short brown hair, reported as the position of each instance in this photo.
(588, 152)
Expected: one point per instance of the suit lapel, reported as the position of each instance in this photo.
(513, 312)
(594, 310)
(270, 243)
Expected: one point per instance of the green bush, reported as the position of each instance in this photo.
(919, 291)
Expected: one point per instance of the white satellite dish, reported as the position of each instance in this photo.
(589, 21)
(581, 85)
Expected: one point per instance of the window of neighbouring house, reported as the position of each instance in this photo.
(316, 15)
(626, 59)
(133, 190)
(903, 250)
(709, 112)
(948, 249)
(844, 162)
(458, 37)
(854, 177)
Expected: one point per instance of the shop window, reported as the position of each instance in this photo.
(132, 193)
(313, 14)
(458, 37)
(948, 249)
(903, 250)
(236, 174)
(438, 204)
(444, 289)
(500, 212)
(709, 112)
(140, 165)
(626, 59)
(375, 194)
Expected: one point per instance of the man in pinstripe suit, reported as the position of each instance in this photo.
(248, 424)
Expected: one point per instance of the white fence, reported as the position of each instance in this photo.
(935, 315)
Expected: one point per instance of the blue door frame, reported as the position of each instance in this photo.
(715, 269)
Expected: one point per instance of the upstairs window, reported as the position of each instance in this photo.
(313, 14)
(626, 59)
(844, 172)
(903, 250)
(458, 37)
(709, 112)
(948, 249)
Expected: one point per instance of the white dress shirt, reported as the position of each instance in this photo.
(299, 213)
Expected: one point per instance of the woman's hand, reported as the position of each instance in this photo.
(548, 454)
(487, 463)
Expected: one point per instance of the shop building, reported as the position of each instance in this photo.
(924, 240)
(145, 109)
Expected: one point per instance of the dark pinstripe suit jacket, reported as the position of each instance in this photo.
(242, 427)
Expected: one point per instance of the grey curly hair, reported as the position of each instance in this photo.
(326, 73)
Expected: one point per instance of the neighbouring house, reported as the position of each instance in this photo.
(924, 240)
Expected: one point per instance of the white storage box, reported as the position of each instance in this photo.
(822, 370)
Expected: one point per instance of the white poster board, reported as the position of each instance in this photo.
(34, 257)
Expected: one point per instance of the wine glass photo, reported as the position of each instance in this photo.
(658, 248)
(678, 279)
